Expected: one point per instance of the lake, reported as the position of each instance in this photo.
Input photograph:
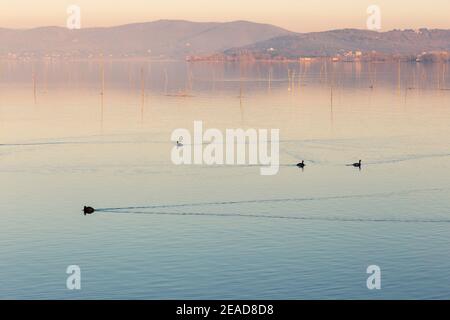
(75, 133)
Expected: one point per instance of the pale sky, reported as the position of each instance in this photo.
(295, 15)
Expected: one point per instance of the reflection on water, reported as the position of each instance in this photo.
(98, 133)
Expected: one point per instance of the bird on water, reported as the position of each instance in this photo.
(357, 164)
(88, 210)
(301, 164)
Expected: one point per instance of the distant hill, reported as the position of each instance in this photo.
(168, 38)
(330, 43)
(179, 39)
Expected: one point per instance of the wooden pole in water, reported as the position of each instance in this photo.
(293, 80)
(444, 66)
(102, 93)
(213, 88)
(331, 109)
(34, 86)
(101, 112)
(189, 76)
(166, 81)
(240, 79)
(46, 77)
(142, 94)
(102, 66)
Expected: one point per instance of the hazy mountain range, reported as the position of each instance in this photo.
(178, 39)
(169, 38)
(330, 43)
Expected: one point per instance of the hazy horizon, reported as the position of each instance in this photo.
(211, 21)
(297, 16)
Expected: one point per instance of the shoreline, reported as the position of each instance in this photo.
(217, 61)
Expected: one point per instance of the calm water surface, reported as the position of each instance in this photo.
(64, 144)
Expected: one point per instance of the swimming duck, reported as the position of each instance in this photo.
(301, 164)
(88, 210)
(357, 164)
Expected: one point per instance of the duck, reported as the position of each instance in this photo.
(88, 210)
(301, 164)
(357, 164)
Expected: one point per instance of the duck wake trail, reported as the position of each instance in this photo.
(263, 216)
(219, 203)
